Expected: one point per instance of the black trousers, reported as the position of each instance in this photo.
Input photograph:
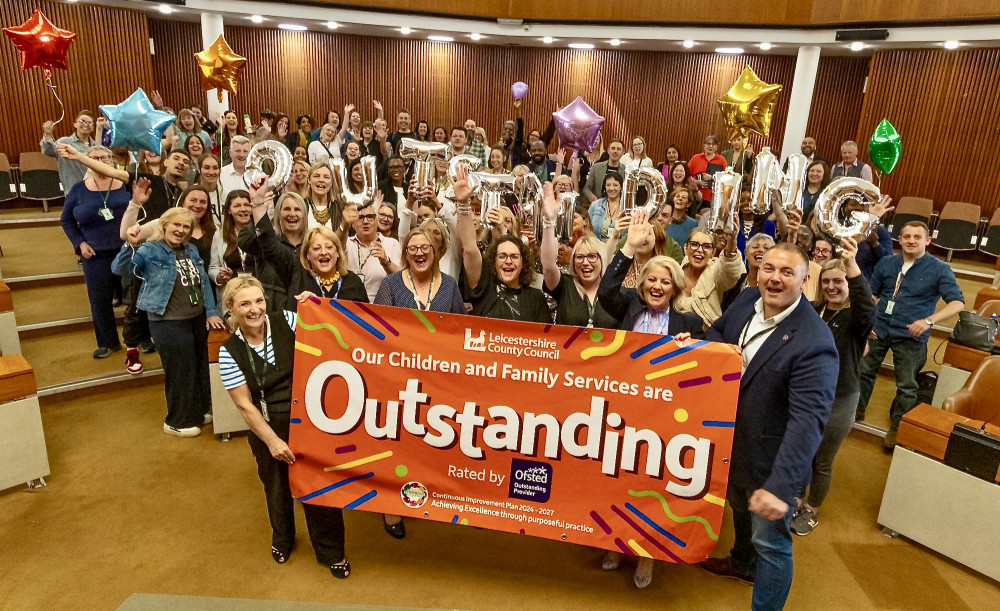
(135, 326)
(101, 283)
(183, 348)
(325, 524)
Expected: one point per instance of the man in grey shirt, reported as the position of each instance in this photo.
(71, 172)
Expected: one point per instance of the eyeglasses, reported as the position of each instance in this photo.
(702, 246)
(366, 217)
(423, 249)
(502, 256)
(102, 158)
(589, 258)
(385, 217)
(822, 251)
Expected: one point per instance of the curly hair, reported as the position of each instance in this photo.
(527, 275)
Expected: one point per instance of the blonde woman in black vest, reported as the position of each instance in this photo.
(255, 364)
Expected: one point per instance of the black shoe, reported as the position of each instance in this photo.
(341, 571)
(280, 556)
(147, 346)
(725, 568)
(859, 416)
(103, 353)
(397, 530)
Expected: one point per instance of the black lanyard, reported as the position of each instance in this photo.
(746, 327)
(259, 378)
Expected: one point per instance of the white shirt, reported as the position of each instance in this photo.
(231, 180)
(360, 261)
(749, 341)
(627, 160)
(321, 152)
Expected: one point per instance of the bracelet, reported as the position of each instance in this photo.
(547, 224)
(464, 208)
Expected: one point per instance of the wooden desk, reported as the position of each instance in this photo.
(23, 457)
(17, 378)
(961, 357)
(985, 295)
(9, 342)
(226, 417)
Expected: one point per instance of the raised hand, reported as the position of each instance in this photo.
(550, 206)
(882, 206)
(132, 235)
(639, 231)
(848, 249)
(156, 98)
(378, 199)
(347, 113)
(141, 190)
(378, 252)
(68, 152)
(47, 128)
(463, 192)
(377, 105)
(259, 192)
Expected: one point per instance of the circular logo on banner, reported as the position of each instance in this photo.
(414, 494)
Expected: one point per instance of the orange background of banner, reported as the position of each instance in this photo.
(628, 511)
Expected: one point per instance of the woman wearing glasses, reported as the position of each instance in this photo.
(708, 277)
(502, 287)
(575, 292)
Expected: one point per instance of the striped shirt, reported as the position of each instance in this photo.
(230, 372)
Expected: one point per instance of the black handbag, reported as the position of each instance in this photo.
(975, 331)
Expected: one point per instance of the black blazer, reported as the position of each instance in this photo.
(626, 306)
(785, 397)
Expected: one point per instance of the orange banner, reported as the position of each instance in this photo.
(611, 439)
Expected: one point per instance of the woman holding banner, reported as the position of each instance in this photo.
(576, 292)
(503, 289)
(255, 364)
(647, 308)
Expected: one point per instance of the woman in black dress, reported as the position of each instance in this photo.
(255, 364)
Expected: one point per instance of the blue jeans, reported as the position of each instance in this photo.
(762, 548)
(908, 358)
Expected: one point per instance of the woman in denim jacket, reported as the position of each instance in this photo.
(178, 298)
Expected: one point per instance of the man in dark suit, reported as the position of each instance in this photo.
(789, 381)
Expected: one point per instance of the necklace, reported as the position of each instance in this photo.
(416, 296)
(322, 216)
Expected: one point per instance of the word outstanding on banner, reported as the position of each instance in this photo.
(607, 438)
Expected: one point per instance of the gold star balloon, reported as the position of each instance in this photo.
(749, 105)
(220, 67)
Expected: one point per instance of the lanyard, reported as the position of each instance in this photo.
(755, 336)
(416, 297)
(899, 283)
(259, 378)
(324, 292)
(361, 262)
(645, 321)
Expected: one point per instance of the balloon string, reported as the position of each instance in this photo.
(62, 108)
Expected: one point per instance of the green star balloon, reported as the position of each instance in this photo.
(885, 147)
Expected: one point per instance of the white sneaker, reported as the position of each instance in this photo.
(191, 431)
(207, 420)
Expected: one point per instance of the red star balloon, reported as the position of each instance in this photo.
(220, 67)
(41, 43)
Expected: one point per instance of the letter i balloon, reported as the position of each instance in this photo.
(42, 45)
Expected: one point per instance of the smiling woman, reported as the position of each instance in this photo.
(420, 284)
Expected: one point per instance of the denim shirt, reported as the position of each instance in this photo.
(598, 211)
(156, 264)
(923, 284)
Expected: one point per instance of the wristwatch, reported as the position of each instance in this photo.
(930, 323)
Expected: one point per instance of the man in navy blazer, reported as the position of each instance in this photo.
(789, 381)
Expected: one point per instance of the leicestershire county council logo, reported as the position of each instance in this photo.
(530, 480)
(414, 494)
(476, 344)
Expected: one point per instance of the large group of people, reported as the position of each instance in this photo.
(192, 242)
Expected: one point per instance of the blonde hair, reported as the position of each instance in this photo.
(676, 276)
(234, 286)
(173, 215)
(445, 233)
(591, 242)
(322, 232)
(834, 263)
(303, 208)
(422, 230)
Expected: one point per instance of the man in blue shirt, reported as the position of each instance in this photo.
(907, 287)
(71, 172)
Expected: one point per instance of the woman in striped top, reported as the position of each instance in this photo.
(255, 364)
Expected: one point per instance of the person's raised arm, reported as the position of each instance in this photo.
(618, 227)
(345, 120)
(378, 108)
(549, 249)
(465, 233)
(68, 152)
(261, 198)
(48, 142)
(859, 293)
(140, 195)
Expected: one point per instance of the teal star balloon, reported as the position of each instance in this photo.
(886, 147)
(136, 124)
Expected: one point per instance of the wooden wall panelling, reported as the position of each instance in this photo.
(836, 105)
(174, 66)
(944, 104)
(108, 60)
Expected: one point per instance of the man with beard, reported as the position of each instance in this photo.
(594, 189)
(787, 386)
(540, 164)
(808, 149)
(403, 130)
(393, 187)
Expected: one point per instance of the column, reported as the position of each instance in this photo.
(806, 66)
(211, 29)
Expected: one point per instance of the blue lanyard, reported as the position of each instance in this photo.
(663, 322)
(323, 292)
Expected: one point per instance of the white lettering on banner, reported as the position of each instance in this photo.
(579, 434)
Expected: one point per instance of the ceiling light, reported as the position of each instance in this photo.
(166, 9)
(729, 50)
(765, 46)
(294, 27)
(441, 38)
(857, 45)
(548, 40)
(688, 44)
(256, 19)
(475, 36)
(951, 44)
(333, 25)
(614, 42)
(580, 45)
(405, 31)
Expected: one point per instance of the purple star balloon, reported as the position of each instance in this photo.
(577, 125)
